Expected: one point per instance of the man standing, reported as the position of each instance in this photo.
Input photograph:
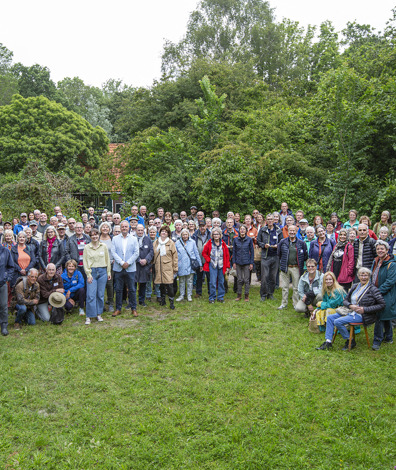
(22, 224)
(36, 235)
(6, 272)
(364, 248)
(135, 214)
(268, 239)
(303, 224)
(43, 223)
(384, 277)
(143, 214)
(193, 214)
(285, 211)
(125, 251)
(292, 253)
(71, 230)
(91, 212)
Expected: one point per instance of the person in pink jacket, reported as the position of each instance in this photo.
(341, 261)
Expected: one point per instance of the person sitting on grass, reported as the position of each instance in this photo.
(73, 283)
(333, 297)
(364, 300)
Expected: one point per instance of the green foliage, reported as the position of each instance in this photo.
(34, 81)
(39, 128)
(35, 187)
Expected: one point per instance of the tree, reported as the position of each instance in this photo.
(35, 187)
(8, 83)
(37, 127)
(34, 81)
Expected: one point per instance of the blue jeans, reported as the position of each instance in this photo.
(216, 274)
(339, 321)
(95, 292)
(4, 304)
(23, 313)
(121, 278)
(383, 328)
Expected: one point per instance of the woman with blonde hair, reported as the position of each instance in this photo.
(333, 297)
(52, 250)
(386, 221)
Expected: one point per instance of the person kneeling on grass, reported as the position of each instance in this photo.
(362, 303)
(73, 283)
(309, 289)
(27, 292)
(333, 297)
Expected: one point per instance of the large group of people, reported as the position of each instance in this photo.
(340, 272)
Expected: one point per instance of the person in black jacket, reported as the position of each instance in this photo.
(267, 239)
(6, 271)
(51, 250)
(143, 263)
(364, 301)
(364, 248)
(243, 259)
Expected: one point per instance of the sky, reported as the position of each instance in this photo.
(123, 39)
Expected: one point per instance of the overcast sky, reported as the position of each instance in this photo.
(97, 40)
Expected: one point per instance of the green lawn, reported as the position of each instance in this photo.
(224, 386)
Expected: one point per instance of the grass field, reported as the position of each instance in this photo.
(223, 386)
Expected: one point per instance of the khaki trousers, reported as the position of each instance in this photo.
(284, 279)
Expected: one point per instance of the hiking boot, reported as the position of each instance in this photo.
(246, 297)
(325, 346)
(171, 303)
(238, 298)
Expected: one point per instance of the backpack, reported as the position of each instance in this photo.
(57, 315)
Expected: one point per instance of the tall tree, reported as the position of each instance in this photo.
(34, 81)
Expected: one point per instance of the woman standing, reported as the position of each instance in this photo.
(8, 239)
(352, 222)
(166, 265)
(143, 263)
(333, 297)
(153, 235)
(342, 261)
(105, 237)
(243, 259)
(321, 249)
(386, 221)
(217, 263)
(51, 250)
(191, 227)
(97, 267)
(23, 257)
(288, 221)
(186, 252)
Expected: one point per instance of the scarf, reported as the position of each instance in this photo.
(50, 242)
(339, 245)
(377, 264)
(140, 241)
(161, 246)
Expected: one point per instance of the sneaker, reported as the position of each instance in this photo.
(81, 312)
(346, 346)
(211, 301)
(325, 346)
(111, 308)
(375, 346)
(99, 317)
(388, 341)
(180, 298)
(143, 304)
(282, 307)
(87, 321)
(189, 298)
(17, 326)
(221, 301)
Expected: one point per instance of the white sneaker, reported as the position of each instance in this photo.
(81, 312)
(179, 299)
(87, 321)
(189, 298)
(99, 317)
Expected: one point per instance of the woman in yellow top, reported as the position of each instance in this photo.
(98, 270)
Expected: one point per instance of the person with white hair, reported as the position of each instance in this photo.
(187, 253)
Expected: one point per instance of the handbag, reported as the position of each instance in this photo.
(194, 262)
(257, 253)
(344, 311)
(313, 324)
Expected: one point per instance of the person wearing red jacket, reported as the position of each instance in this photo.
(217, 263)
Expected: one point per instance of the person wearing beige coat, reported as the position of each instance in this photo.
(166, 264)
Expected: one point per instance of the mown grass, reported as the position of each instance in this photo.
(224, 386)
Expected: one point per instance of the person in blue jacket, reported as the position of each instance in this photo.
(243, 259)
(321, 249)
(73, 283)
